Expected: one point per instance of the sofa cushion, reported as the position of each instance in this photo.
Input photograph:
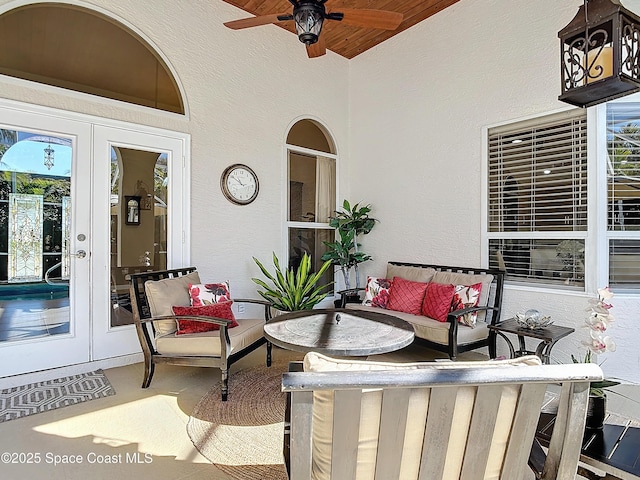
(433, 330)
(467, 296)
(469, 279)
(376, 293)
(414, 434)
(163, 294)
(406, 296)
(217, 310)
(416, 274)
(248, 331)
(437, 301)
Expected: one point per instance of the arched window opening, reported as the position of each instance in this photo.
(72, 47)
(312, 192)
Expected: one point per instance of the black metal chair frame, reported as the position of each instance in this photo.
(146, 331)
(493, 310)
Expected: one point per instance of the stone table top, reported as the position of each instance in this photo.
(339, 332)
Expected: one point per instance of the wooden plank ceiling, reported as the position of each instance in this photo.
(346, 40)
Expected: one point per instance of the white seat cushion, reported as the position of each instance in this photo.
(248, 331)
(430, 329)
(415, 274)
(164, 294)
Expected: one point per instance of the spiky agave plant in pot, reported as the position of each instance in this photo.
(293, 289)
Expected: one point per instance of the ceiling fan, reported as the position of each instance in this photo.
(309, 16)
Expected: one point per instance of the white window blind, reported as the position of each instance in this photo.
(623, 194)
(537, 198)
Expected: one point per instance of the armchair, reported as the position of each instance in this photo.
(153, 296)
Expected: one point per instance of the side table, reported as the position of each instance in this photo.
(548, 337)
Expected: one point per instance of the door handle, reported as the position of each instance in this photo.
(79, 254)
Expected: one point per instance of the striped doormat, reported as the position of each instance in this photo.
(17, 402)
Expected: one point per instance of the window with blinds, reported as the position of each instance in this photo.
(623, 194)
(537, 199)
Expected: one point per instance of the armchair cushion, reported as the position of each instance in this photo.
(248, 331)
(414, 435)
(209, 293)
(162, 295)
(218, 310)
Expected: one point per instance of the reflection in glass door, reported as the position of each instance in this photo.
(35, 210)
(138, 222)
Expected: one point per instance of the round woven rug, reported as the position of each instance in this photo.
(243, 436)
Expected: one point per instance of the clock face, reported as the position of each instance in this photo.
(239, 184)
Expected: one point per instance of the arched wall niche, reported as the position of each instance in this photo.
(76, 48)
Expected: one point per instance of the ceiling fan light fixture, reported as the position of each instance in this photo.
(309, 18)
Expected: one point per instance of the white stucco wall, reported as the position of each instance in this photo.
(243, 91)
(418, 105)
(407, 118)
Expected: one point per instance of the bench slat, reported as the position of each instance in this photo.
(393, 424)
(346, 420)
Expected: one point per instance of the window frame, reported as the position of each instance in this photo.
(607, 235)
(597, 236)
(315, 226)
(584, 235)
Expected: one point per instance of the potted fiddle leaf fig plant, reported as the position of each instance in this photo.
(350, 223)
(293, 289)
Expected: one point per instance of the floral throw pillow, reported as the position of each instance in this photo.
(406, 296)
(466, 296)
(218, 310)
(209, 293)
(376, 293)
(437, 301)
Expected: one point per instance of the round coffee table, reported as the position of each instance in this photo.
(339, 332)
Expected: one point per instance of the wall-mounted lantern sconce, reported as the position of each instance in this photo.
(599, 51)
(146, 198)
(132, 210)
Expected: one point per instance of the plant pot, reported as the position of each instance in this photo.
(596, 412)
(274, 312)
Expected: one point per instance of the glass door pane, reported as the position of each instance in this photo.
(138, 222)
(35, 186)
(147, 166)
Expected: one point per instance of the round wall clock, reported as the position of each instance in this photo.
(239, 184)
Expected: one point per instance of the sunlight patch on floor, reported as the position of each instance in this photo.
(123, 424)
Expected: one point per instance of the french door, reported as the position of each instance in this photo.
(68, 239)
(44, 242)
(148, 169)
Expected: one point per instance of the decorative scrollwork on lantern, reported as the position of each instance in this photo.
(600, 51)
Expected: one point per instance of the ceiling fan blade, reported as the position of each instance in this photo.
(381, 19)
(255, 21)
(317, 49)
